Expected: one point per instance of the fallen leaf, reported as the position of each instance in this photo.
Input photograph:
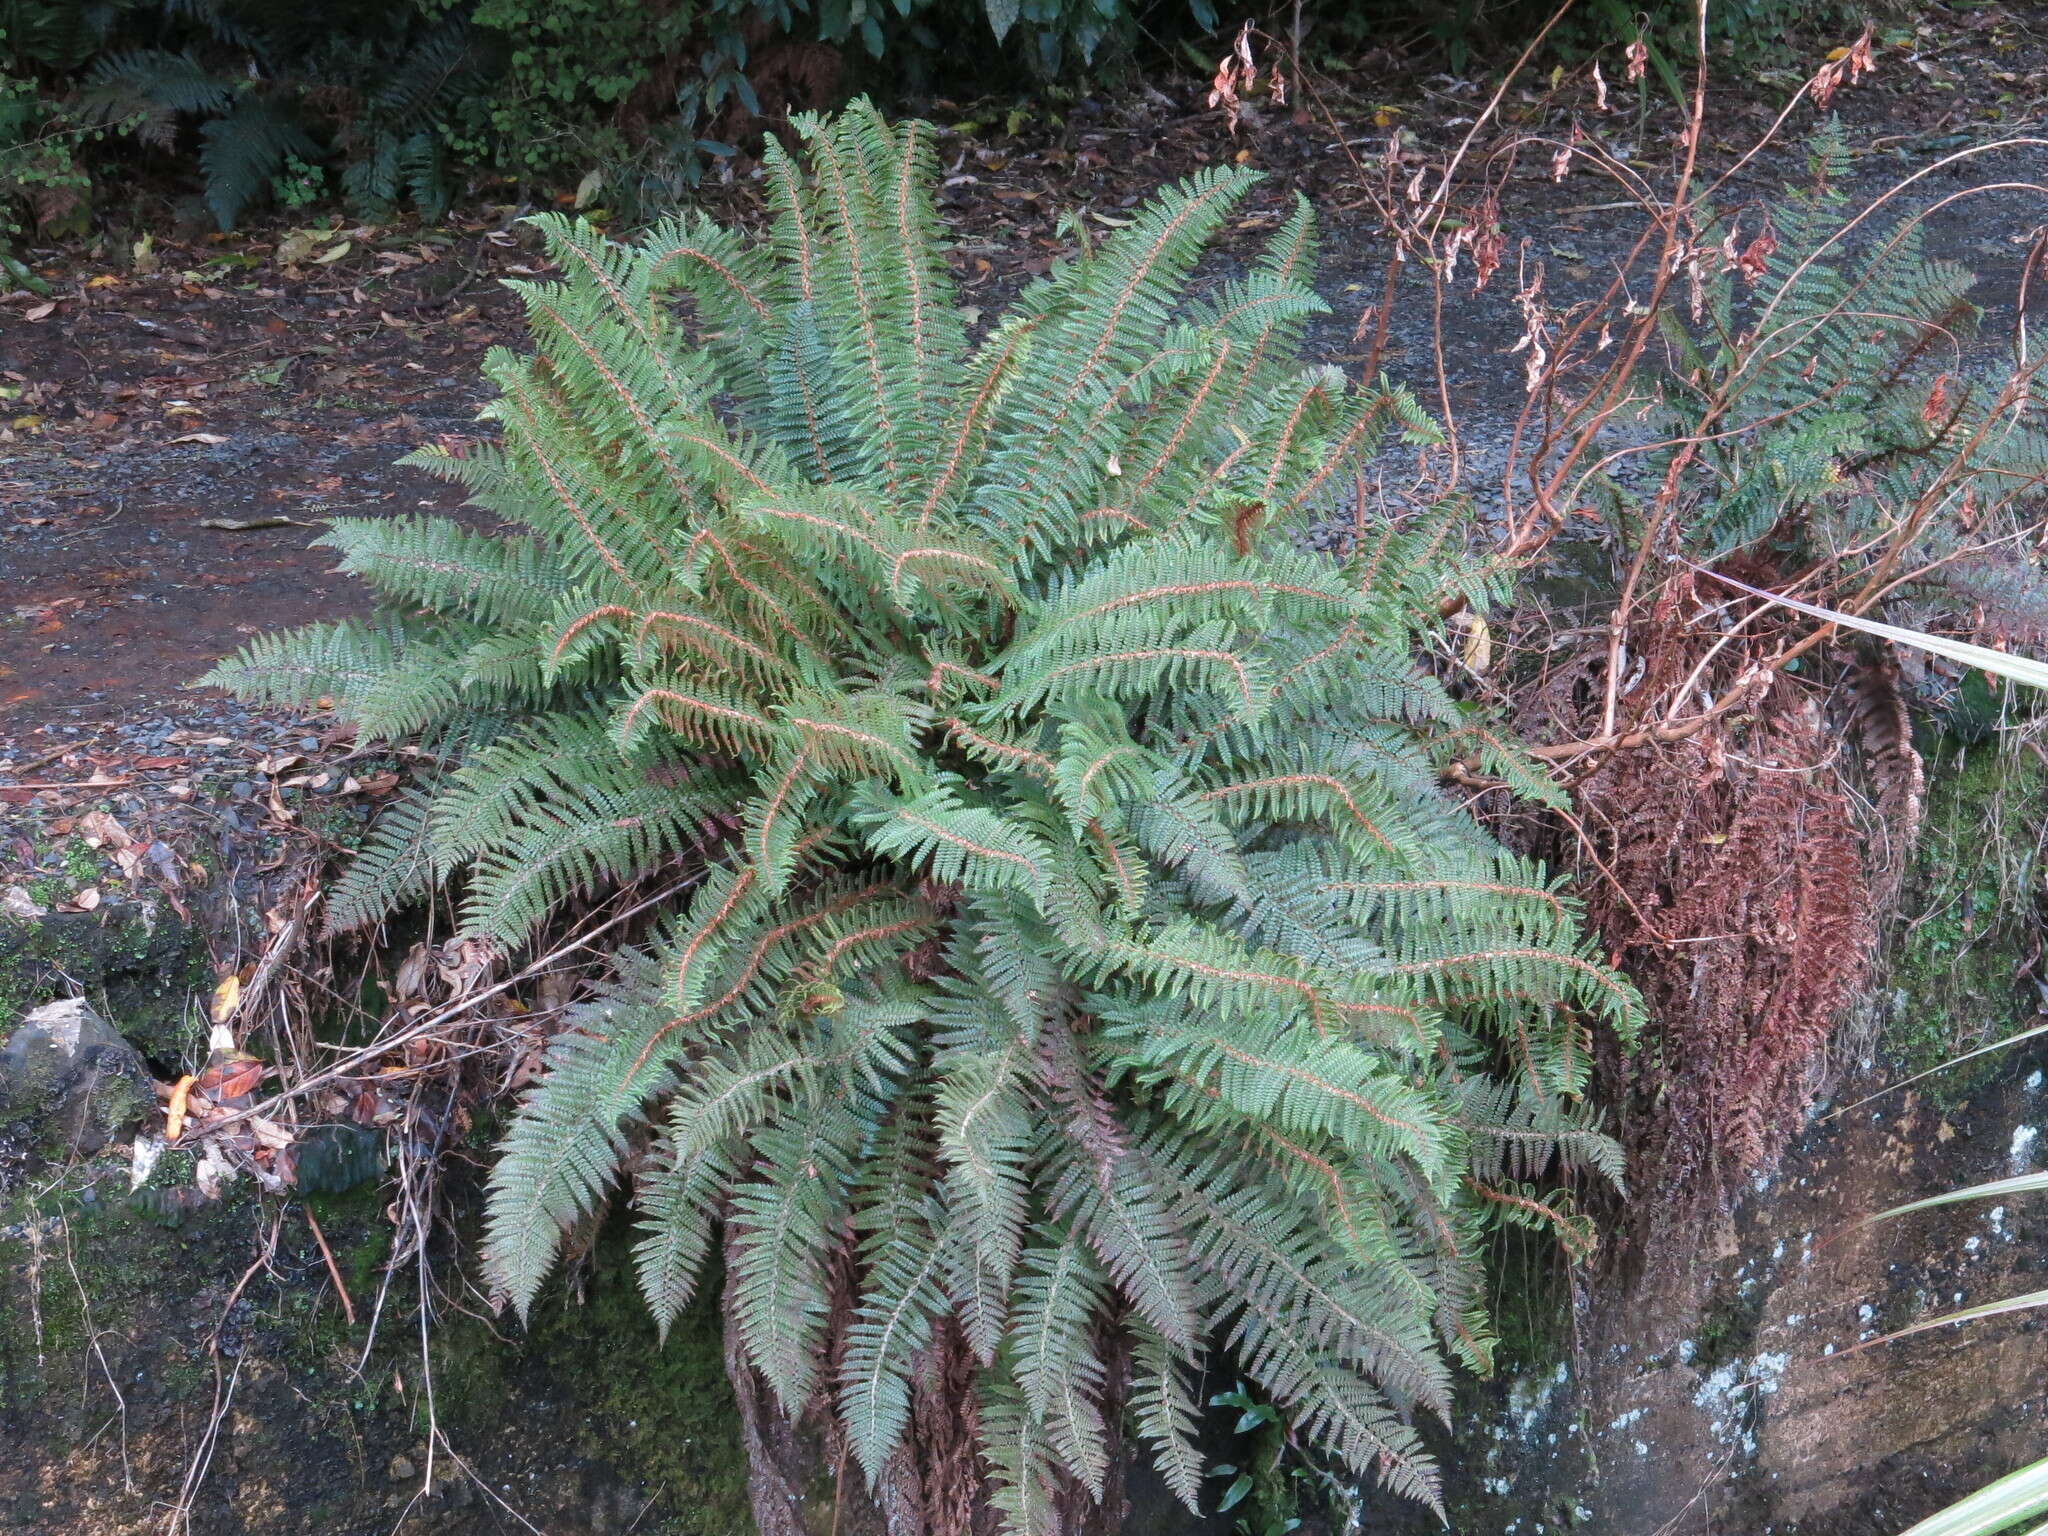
(214, 1172)
(104, 280)
(100, 830)
(226, 997)
(232, 1080)
(250, 524)
(85, 900)
(1477, 652)
(16, 902)
(41, 311)
(143, 1156)
(298, 245)
(174, 1112)
(333, 253)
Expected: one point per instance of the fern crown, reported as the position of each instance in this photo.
(1083, 971)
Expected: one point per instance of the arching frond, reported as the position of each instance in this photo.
(1076, 977)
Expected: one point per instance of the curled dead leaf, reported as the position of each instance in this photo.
(174, 1112)
(100, 830)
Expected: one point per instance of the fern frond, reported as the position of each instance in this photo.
(394, 868)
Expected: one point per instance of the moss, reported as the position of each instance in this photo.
(106, 1270)
(357, 1233)
(1531, 1302)
(661, 1413)
(1728, 1326)
(138, 962)
(1969, 917)
(80, 862)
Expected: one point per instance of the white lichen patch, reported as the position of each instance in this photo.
(1767, 1370)
(2019, 1157)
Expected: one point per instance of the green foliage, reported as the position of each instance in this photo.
(1957, 968)
(1075, 940)
(273, 92)
(392, 102)
(1832, 413)
(42, 179)
(1743, 34)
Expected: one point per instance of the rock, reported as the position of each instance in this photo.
(68, 1083)
(137, 960)
(401, 1470)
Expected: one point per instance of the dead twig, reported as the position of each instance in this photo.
(348, 1307)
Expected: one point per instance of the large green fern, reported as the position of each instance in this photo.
(1084, 972)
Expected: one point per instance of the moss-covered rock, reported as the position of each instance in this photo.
(68, 1085)
(584, 1423)
(137, 961)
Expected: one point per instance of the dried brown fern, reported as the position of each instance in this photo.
(1728, 877)
(1882, 728)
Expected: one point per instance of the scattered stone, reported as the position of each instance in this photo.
(401, 1469)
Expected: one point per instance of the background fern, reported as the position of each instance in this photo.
(1083, 973)
(1845, 414)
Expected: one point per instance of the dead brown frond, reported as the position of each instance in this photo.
(1732, 888)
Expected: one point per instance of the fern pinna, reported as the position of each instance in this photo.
(1084, 973)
